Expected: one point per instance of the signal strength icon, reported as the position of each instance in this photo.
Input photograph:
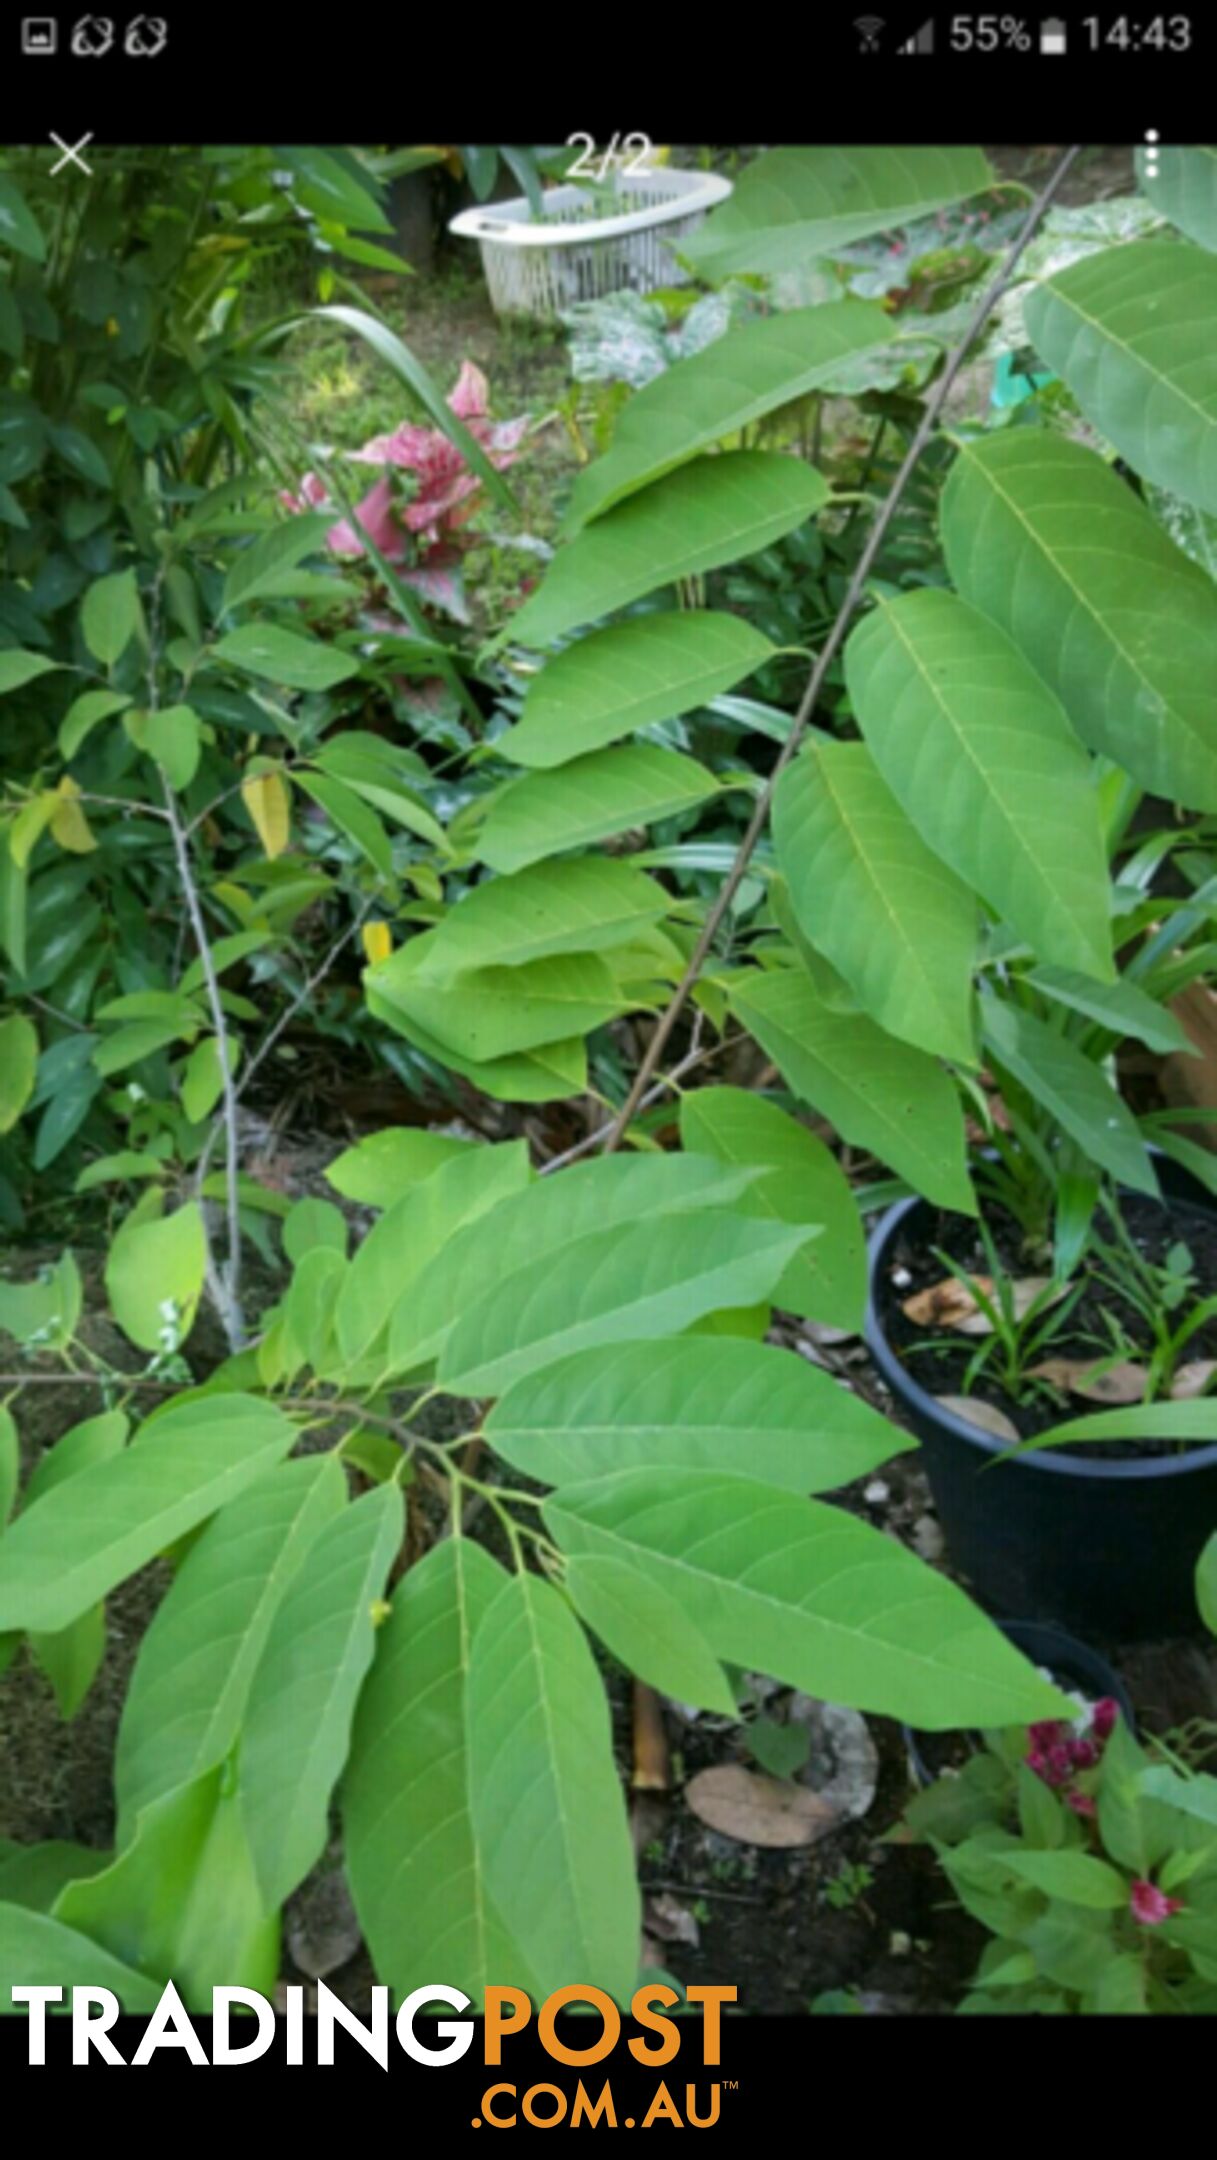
(921, 42)
(868, 28)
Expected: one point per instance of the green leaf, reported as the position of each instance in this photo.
(1072, 1088)
(403, 1246)
(415, 1872)
(551, 1071)
(1182, 184)
(18, 1066)
(280, 656)
(19, 228)
(351, 815)
(807, 1593)
(311, 1224)
(714, 393)
(609, 791)
(647, 1632)
(70, 1658)
(325, 186)
(879, 1093)
(110, 615)
(378, 781)
(868, 893)
(155, 1272)
(1075, 1877)
(628, 677)
(1120, 1006)
(1129, 330)
(297, 1725)
(96, 1440)
(36, 1951)
(10, 1465)
(43, 1313)
(34, 1875)
(803, 1182)
(1042, 537)
(548, 1814)
(192, 1677)
(409, 369)
(586, 905)
(384, 1166)
(713, 511)
(170, 736)
(983, 760)
(1206, 1584)
(84, 714)
(19, 668)
(489, 1013)
(102, 1524)
(794, 205)
(1143, 1421)
(182, 1900)
(258, 568)
(540, 1217)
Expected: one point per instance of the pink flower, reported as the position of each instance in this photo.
(1083, 1754)
(1150, 1905)
(1104, 1716)
(1081, 1803)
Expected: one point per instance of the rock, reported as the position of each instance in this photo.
(321, 1928)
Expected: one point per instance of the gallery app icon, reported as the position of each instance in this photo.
(39, 34)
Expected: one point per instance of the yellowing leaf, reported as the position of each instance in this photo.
(377, 940)
(18, 1064)
(69, 825)
(268, 802)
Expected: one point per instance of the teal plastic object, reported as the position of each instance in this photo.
(1012, 383)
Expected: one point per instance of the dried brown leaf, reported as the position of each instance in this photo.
(1194, 1379)
(759, 1810)
(1094, 1378)
(980, 1413)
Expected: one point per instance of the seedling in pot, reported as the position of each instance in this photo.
(1017, 1327)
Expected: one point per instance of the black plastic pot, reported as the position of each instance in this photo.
(1072, 1663)
(1105, 1545)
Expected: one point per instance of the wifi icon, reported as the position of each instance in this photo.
(868, 28)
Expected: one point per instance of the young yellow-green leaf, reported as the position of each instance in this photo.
(43, 1313)
(606, 792)
(267, 797)
(182, 1900)
(203, 1077)
(155, 1271)
(103, 1523)
(297, 1724)
(879, 1093)
(1047, 541)
(549, 1819)
(619, 1285)
(36, 1951)
(280, 656)
(647, 1632)
(715, 510)
(731, 383)
(887, 912)
(192, 1677)
(110, 615)
(18, 1066)
(415, 1872)
(983, 761)
(1130, 331)
(796, 204)
(627, 677)
(808, 1593)
(69, 827)
(384, 1166)
(695, 1405)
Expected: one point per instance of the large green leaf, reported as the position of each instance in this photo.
(715, 510)
(1072, 1088)
(402, 1248)
(36, 1951)
(615, 1285)
(19, 228)
(182, 1900)
(802, 1182)
(868, 893)
(809, 1594)
(630, 676)
(297, 1724)
(551, 1071)
(155, 1271)
(548, 1813)
(729, 384)
(586, 905)
(982, 759)
(1131, 332)
(1119, 1006)
(384, 1166)
(490, 1013)
(647, 1631)
(608, 791)
(1043, 538)
(547, 1214)
(880, 1094)
(282, 656)
(192, 1676)
(1182, 184)
(415, 1872)
(797, 204)
(694, 1404)
(101, 1525)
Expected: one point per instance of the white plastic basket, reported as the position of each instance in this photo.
(540, 266)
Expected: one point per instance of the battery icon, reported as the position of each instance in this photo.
(1053, 35)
